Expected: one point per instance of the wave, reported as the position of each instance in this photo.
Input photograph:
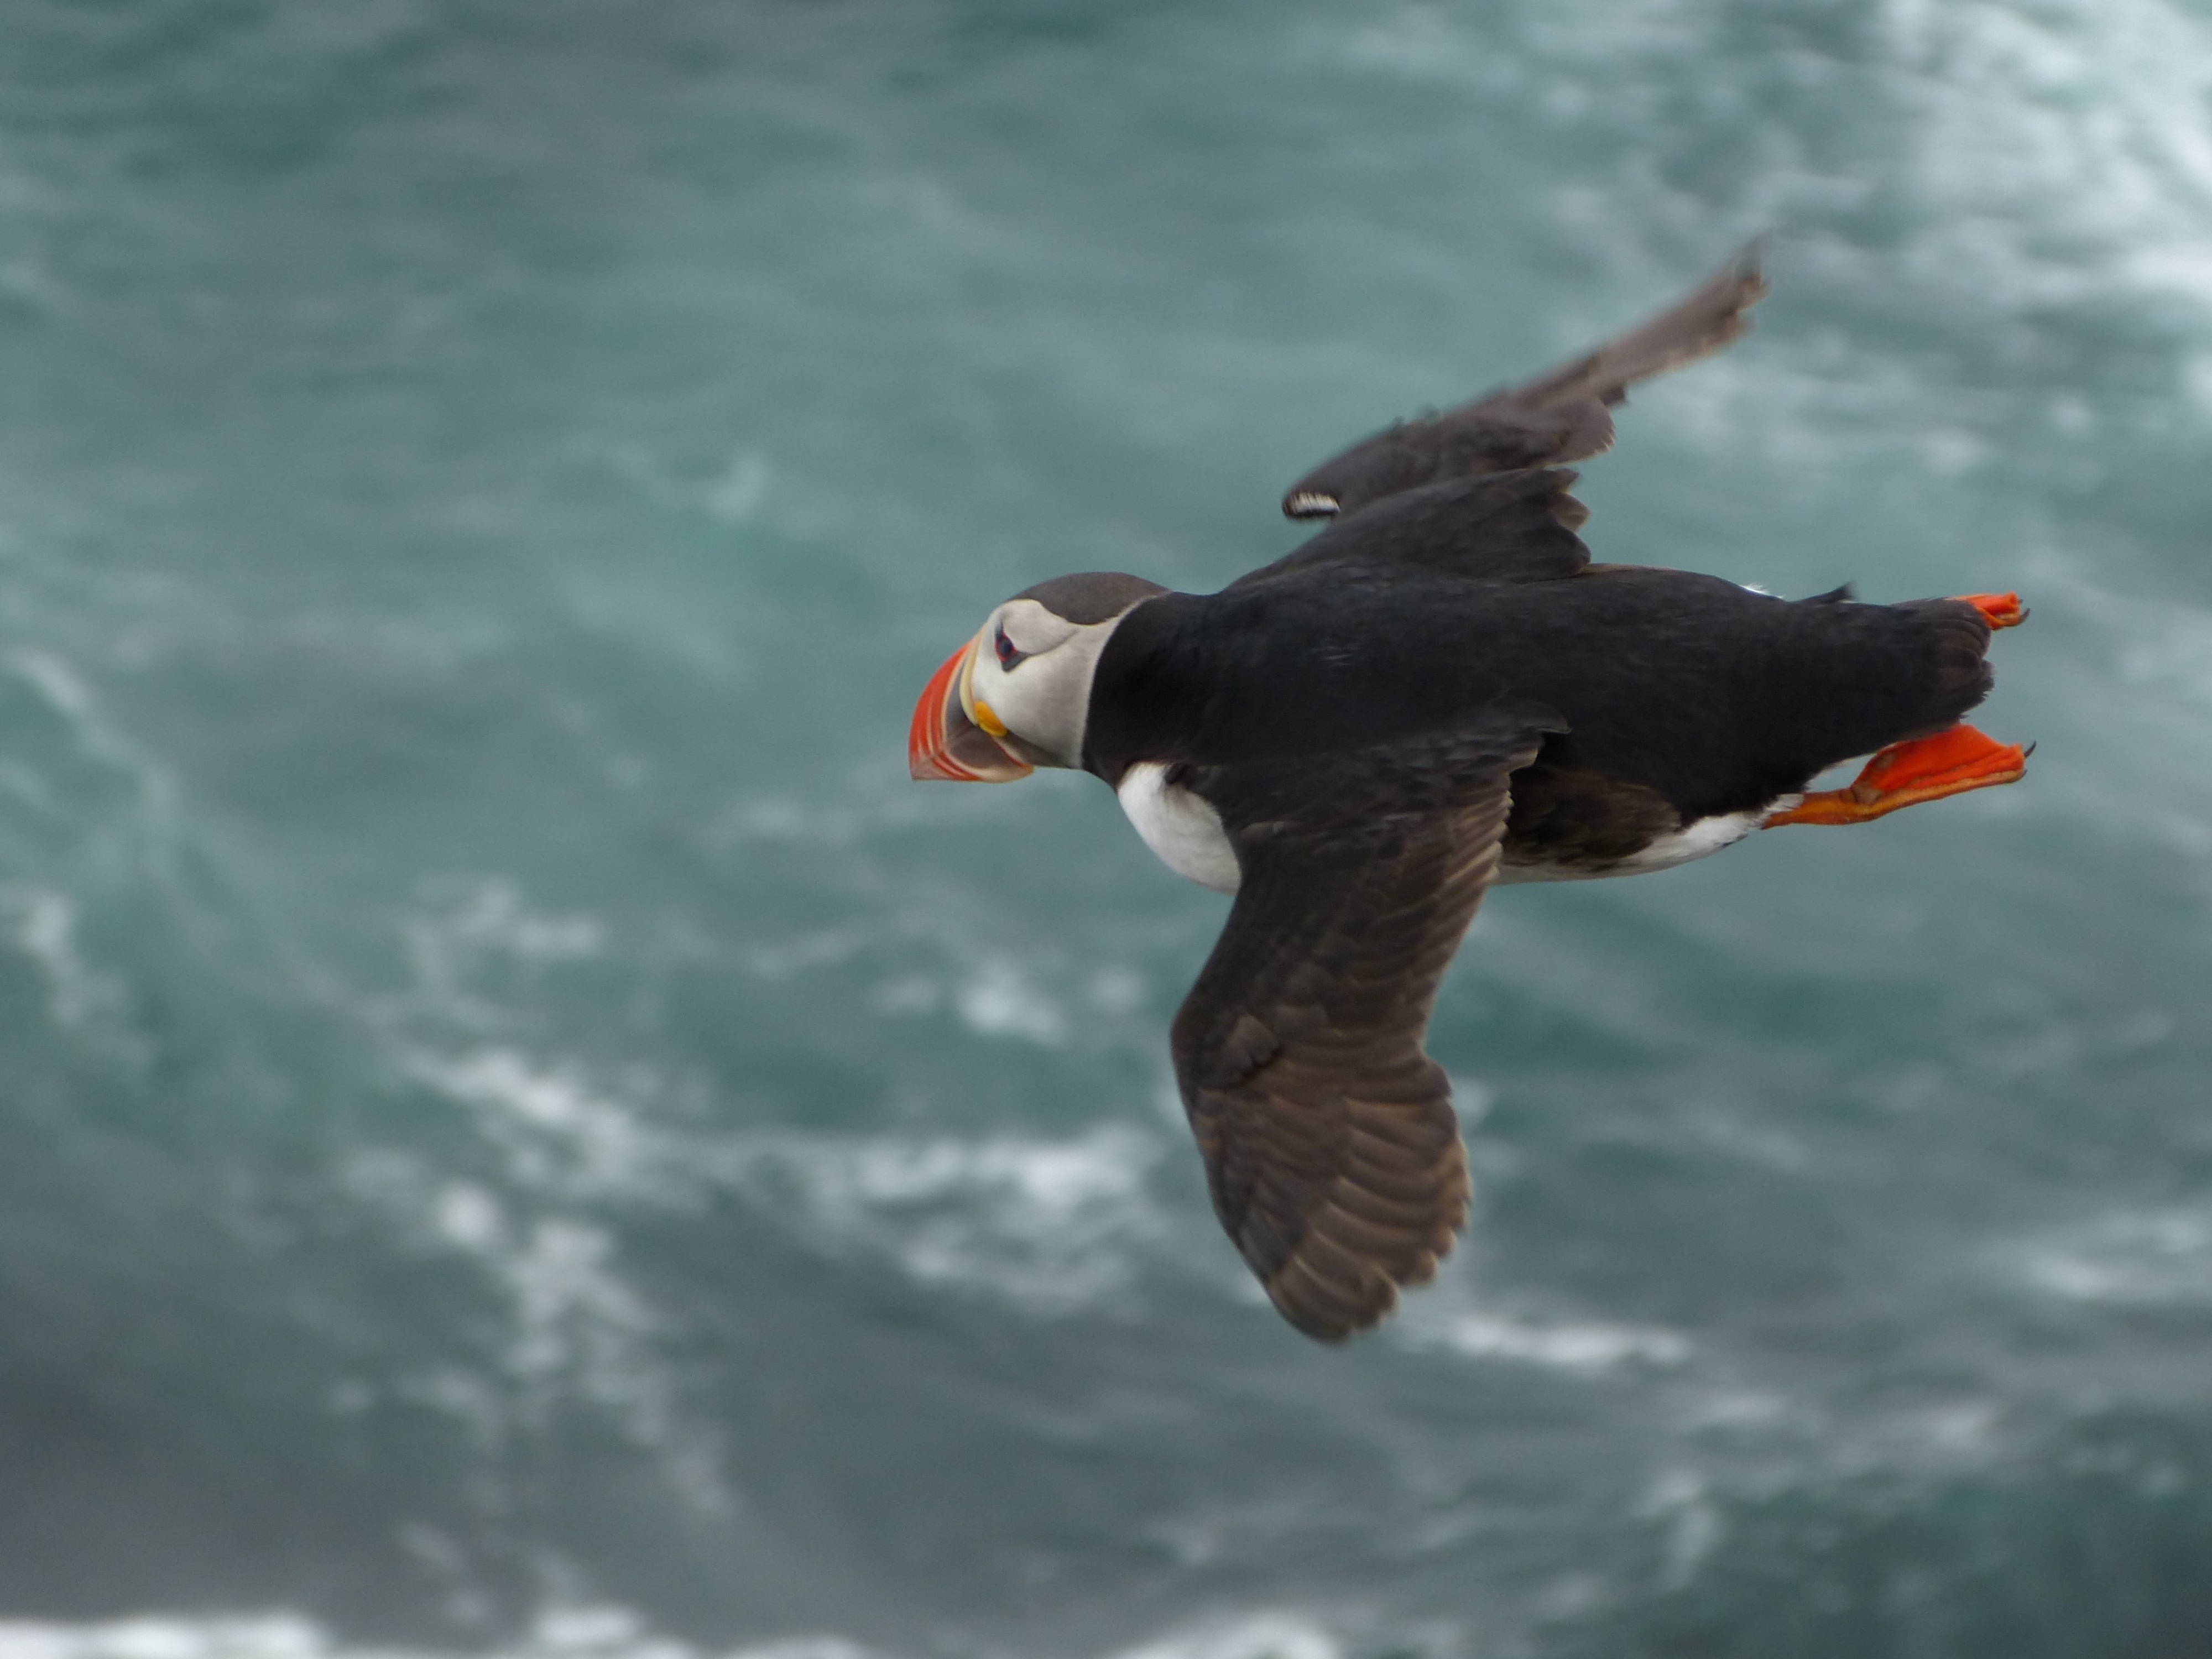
(2149, 1259)
(593, 1632)
(1585, 1347)
(1048, 1225)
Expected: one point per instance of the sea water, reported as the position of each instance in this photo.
(523, 1133)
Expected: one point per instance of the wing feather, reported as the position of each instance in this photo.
(1331, 1149)
(1501, 526)
(1563, 415)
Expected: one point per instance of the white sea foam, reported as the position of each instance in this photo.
(1047, 1225)
(1267, 1635)
(1001, 1001)
(487, 927)
(78, 995)
(1050, 1225)
(493, 916)
(1584, 1348)
(2087, 117)
(2044, 157)
(589, 1632)
(577, 1327)
(1681, 1501)
(1000, 994)
(96, 737)
(568, 1633)
(271, 1636)
(2159, 1258)
(66, 693)
(558, 1131)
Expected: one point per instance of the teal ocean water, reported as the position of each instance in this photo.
(522, 1132)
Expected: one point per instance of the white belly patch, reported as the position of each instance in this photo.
(1699, 839)
(1180, 827)
(1186, 834)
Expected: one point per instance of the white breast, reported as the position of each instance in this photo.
(1180, 827)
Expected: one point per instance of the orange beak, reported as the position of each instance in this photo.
(943, 743)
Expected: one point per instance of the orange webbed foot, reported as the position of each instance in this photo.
(2003, 609)
(1948, 763)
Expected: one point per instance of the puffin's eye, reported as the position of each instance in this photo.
(1007, 652)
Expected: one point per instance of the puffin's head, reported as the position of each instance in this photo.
(1018, 695)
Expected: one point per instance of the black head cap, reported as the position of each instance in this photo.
(1093, 596)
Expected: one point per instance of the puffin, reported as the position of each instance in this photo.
(1437, 693)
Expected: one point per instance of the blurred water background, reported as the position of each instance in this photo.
(521, 1131)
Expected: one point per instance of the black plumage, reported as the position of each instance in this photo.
(1438, 691)
(1440, 682)
(1416, 614)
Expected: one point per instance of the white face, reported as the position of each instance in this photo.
(1030, 676)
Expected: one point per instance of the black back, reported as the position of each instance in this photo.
(1717, 698)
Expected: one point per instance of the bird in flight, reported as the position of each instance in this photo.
(1437, 693)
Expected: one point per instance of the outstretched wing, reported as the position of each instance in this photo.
(1501, 526)
(1561, 416)
(1331, 1149)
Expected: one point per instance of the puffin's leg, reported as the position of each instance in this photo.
(1949, 763)
(2003, 609)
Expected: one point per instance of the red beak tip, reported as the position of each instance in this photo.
(943, 745)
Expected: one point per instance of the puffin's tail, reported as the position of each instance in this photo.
(1865, 676)
(1955, 635)
(1932, 654)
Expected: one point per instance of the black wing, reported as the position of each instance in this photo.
(1501, 526)
(1330, 1145)
(1558, 417)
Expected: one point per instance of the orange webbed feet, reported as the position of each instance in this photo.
(2002, 609)
(1948, 763)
